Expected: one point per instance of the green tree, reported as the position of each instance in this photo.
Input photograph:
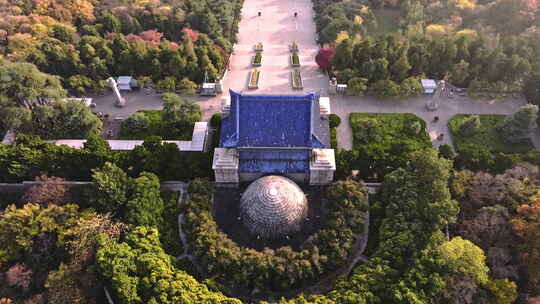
(141, 272)
(186, 86)
(505, 291)
(385, 89)
(112, 188)
(517, 127)
(20, 228)
(145, 205)
(356, 86)
(447, 151)
(465, 258)
(411, 87)
(21, 82)
(65, 119)
(179, 114)
(136, 122)
(400, 69)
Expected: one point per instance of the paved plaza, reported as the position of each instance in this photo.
(276, 28)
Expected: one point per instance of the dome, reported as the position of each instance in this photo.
(273, 206)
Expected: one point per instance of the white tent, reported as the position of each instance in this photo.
(124, 83)
(429, 85)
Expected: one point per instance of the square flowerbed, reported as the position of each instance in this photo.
(257, 59)
(296, 78)
(486, 136)
(254, 77)
(295, 59)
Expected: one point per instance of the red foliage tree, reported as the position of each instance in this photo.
(19, 276)
(192, 34)
(324, 58)
(151, 36)
(527, 225)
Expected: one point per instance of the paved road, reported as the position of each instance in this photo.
(342, 106)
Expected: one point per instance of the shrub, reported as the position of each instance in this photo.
(166, 85)
(215, 121)
(19, 276)
(517, 127)
(413, 128)
(136, 122)
(447, 151)
(474, 157)
(333, 138)
(385, 89)
(411, 87)
(143, 81)
(334, 120)
(356, 86)
(470, 125)
(186, 86)
(368, 130)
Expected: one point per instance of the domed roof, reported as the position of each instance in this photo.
(273, 206)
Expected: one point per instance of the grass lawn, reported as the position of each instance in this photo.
(387, 21)
(156, 128)
(394, 128)
(487, 136)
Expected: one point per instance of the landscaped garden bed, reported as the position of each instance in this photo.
(257, 59)
(254, 78)
(154, 126)
(486, 135)
(296, 79)
(295, 59)
(381, 144)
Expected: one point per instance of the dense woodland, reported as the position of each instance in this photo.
(486, 46)
(445, 227)
(84, 42)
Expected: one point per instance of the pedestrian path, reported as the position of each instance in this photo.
(276, 28)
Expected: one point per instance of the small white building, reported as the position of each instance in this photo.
(125, 83)
(429, 85)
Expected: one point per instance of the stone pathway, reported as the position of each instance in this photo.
(276, 29)
(344, 105)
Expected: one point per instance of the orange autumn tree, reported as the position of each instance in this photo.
(526, 224)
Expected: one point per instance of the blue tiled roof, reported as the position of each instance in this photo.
(274, 161)
(271, 121)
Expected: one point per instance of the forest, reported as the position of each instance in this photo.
(490, 47)
(84, 42)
